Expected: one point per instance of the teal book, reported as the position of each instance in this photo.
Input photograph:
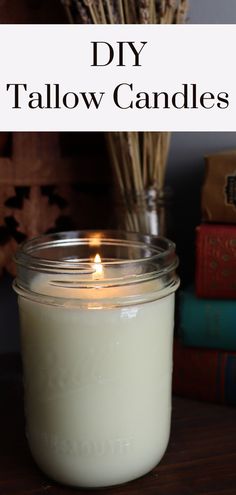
(209, 323)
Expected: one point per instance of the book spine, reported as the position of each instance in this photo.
(218, 198)
(216, 261)
(205, 375)
(206, 322)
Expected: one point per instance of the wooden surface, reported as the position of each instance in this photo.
(201, 457)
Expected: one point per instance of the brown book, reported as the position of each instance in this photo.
(216, 261)
(219, 188)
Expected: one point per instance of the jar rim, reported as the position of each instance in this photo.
(71, 280)
(160, 248)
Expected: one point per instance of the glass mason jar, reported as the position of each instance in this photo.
(96, 311)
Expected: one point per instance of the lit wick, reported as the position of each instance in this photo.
(98, 274)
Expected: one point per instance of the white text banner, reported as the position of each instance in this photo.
(117, 78)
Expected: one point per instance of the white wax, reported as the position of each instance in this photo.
(97, 389)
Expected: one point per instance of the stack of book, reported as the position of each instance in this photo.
(205, 351)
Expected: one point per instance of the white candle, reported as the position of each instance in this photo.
(97, 380)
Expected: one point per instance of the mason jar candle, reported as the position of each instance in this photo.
(96, 312)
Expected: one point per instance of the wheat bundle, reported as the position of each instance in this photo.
(138, 158)
(126, 11)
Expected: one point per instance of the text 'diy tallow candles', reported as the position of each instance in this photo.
(96, 311)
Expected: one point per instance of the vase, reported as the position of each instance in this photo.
(147, 213)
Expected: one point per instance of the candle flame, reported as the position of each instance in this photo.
(98, 267)
(97, 259)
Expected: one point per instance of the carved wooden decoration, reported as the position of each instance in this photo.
(36, 191)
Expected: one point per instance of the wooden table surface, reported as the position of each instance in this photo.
(201, 457)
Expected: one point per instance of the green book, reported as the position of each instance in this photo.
(207, 322)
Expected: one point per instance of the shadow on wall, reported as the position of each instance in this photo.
(9, 326)
(212, 12)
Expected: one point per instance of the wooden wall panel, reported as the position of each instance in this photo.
(31, 12)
